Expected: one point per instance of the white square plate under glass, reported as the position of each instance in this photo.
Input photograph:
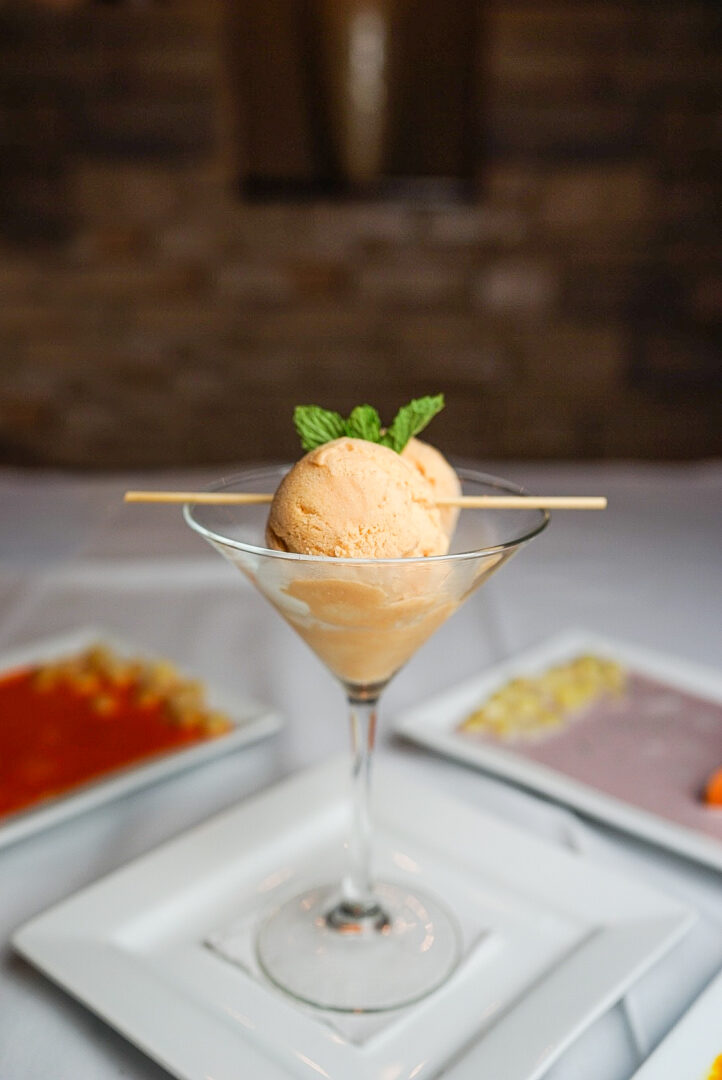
(549, 940)
(250, 721)
(434, 723)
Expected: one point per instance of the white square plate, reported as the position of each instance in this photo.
(434, 724)
(561, 939)
(694, 1044)
(250, 720)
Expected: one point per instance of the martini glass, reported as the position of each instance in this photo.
(359, 945)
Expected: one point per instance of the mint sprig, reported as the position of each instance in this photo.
(364, 423)
(317, 426)
(411, 419)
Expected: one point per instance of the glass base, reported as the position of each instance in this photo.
(313, 948)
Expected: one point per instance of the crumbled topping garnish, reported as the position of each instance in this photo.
(104, 678)
(526, 708)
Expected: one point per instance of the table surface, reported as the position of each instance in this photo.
(71, 554)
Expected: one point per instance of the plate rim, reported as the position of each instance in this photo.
(251, 720)
(687, 1023)
(43, 938)
(418, 726)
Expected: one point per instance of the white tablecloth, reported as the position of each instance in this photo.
(648, 570)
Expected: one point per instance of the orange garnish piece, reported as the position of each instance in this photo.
(715, 1072)
(713, 790)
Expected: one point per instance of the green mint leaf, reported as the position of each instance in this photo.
(364, 423)
(411, 419)
(317, 426)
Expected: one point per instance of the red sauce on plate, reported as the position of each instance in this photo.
(55, 738)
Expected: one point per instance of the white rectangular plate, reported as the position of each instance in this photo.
(250, 720)
(562, 940)
(693, 1045)
(433, 724)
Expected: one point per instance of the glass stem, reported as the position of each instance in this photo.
(358, 908)
(357, 887)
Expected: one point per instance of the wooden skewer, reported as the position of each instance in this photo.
(465, 502)
(527, 502)
(219, 498)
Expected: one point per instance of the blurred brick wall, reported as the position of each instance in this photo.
(149, 317)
